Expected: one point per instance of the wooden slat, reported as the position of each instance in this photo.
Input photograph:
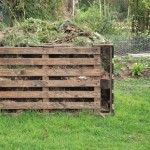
(50, 83)
(21, 50)
(47, 50)
(45, 78)
(50, 94)
(48, 105)
(97, 89)
(111, 71)
(49, 61)
(50, 72)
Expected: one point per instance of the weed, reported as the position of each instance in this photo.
(117, 69)
(116, 59)
(145, 61)
(137, 69)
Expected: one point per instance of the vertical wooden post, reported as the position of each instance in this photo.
(111, 79)
(97, 89)
(45, 78)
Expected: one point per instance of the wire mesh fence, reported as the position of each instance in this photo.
(131, 44)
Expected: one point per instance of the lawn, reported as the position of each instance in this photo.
(128, 129)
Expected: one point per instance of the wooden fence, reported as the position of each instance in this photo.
(47, 78)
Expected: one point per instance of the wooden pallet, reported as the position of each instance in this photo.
(47, 78)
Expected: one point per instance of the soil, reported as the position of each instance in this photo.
(127, 73)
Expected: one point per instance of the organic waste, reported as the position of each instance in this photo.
(35, 32)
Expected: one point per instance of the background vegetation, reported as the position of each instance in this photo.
(104, 12)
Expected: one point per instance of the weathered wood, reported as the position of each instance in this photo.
(51, 83)
(97, 89)
(50, 94)
(48, 105)
(105, 84)
(49, 61)
(21, 50)
(47, 50)
(86, 76)
(51, 72)
(45, 78)
(111, 71)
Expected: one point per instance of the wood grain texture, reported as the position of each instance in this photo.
(49, 61)
(50, 83)
(45, 78)
(47, 50)
(81, 77)
(48, 105)
(98, 89)
(49, 94)
(51, 72)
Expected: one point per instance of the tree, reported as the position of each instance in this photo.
(71, 7)
(140, 15)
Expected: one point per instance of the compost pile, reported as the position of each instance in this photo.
(35, 32)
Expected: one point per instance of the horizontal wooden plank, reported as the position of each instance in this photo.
(21, 50)
(51, 72)
(48, 105)
(49, 94)
(49, 50)
(49, 61)
(51, 83)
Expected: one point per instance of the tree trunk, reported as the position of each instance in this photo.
(100, 7)
(106, 7)
(129, 10)
(70, 8)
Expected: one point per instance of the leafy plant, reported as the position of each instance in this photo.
(117, 69)
(116, 59)
(145, 61)
(137, 69)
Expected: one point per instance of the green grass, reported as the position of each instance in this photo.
(128, 129)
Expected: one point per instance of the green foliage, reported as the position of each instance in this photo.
(117, 65)
(120, 9)
(140, 16)
(39, 9)
(33, 32)
(145, 61)
(137, 69)
(2, 26)
(117, 69)
(94, 20)
(85, 4)
(116, 59)
(128, 58)
(21, 33)
(80, 41)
